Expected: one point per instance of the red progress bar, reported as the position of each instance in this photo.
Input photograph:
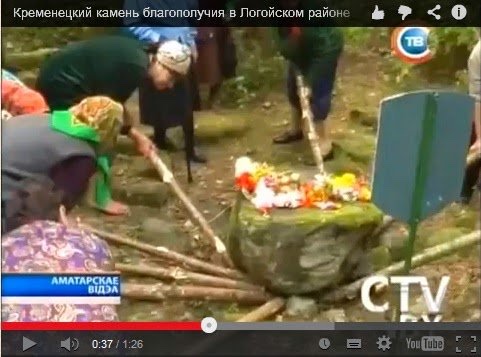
(101, 326)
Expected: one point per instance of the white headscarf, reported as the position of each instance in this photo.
(175, 56)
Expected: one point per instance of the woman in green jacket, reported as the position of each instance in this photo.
(314, 52)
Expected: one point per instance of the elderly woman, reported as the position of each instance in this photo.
(112, 66)
(313, 52)
(175, 107)
(69, 147)
(40, 239)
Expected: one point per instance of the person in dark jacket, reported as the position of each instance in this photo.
(174, 107)
(313, 52)
(111, 66)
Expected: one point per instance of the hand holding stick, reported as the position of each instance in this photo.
(308, 122)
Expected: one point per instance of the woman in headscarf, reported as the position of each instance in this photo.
(313, 52)
(112, 66)
(175, 107)
(69, 147)
(38, 238)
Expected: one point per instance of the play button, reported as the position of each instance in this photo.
(27, 344)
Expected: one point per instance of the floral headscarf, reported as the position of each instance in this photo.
(97, 120)
(103, 115)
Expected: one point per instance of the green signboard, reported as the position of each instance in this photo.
(422, 144)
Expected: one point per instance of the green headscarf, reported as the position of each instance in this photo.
(96, 120)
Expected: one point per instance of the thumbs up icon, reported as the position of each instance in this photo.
(377, 14)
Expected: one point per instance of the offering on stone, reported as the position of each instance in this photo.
(267, 188)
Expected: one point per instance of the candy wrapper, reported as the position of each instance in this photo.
(266, 188)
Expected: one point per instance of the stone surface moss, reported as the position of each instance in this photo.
(303, 250)
(348, 216)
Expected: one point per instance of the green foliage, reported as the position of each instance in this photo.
(24, 39)
(260, 68)
(445, 40)
(450, 46)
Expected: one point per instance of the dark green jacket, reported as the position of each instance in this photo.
(313, 50)
(112, 66)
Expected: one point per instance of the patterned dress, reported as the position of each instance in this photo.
(46, 246)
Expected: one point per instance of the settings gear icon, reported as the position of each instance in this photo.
(384, 343)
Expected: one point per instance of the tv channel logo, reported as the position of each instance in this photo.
(411, 44)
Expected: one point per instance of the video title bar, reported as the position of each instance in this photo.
(267, 13)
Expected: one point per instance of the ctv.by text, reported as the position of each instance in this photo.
(433, 303)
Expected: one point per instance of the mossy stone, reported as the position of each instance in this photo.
(303, 250)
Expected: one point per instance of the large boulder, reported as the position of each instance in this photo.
(303, 250)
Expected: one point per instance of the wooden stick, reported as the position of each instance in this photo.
(169, 178)
(308, 119)
(427, 256)
(183, 276)
(263, 312)
(162, 252)
(159, 291)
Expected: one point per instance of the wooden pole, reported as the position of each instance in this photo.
(427, 256)
(265, 311)
(156, 292)
(164, 253)
(183, 276)
(169, 178)
(308, 122)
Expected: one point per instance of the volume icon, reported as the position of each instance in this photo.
(70, 344)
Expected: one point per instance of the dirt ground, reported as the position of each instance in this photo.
(223, 136)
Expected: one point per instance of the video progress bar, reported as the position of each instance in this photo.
(275, 326)
(348, 326)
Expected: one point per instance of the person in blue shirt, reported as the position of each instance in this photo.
(174, 107)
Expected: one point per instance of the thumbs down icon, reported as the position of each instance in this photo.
(404, 11)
